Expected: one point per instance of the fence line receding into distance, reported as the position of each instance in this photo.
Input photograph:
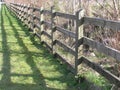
(26, 15)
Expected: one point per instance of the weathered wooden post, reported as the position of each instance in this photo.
(79, 35)
(19, 11)
(41, 21)
(11, 7)
(34, 27)
(52, 27)
(16, 11)
(22, 12)
(25, 13)
(32, 19)
(27, 16)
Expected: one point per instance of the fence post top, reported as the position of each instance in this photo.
(79, 10)
(42, 8)
(52, 9)
(80, 13)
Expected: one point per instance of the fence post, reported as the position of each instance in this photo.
(31, 20)
(79, 34)
(27, 16)
(52, 27)
(22, 12)
(41, 21)
(17, 10)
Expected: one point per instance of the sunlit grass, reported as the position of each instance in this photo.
(27, 65)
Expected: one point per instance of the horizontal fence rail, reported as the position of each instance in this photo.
(26, 15)
(115, 25)
(102, 48)
(66, 32)
(69, 16)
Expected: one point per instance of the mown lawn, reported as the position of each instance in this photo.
(26, 64)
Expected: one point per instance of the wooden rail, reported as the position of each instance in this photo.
(45, 33)
(102, 48)
(26, 13)
(66, 32)
(68, 16)
(115, 25)
(66, 48)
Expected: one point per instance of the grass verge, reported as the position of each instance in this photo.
(26, 64)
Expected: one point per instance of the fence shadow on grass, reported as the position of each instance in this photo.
(39, 79)
(6, 55)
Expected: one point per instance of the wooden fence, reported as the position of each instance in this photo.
(26, 15)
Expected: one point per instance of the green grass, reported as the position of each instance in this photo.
(93, 81)
(24, 63)
(98, 80)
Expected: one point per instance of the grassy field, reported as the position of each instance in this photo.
(26, 64)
